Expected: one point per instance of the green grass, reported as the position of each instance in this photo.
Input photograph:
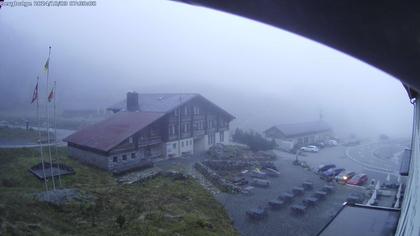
(161, 206)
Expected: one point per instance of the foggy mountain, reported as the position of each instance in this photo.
(260, 74)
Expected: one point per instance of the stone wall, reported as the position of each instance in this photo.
(89, 158)
(216, 179)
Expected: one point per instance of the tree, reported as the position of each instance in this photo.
(254, 140)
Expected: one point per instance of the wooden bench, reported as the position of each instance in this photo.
(286, 197)
(328, 188)
(320, 194)
(308, 185)
(310, 201)
(298, 190)
(276, 204)
(298, 208)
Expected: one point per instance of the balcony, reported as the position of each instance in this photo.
(186, 135)
(199, 117)
(150, 141)
(222, 128)
(200, 132)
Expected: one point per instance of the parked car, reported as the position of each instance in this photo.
(240, 181)
(310, 148)
(359, 179)
(345, 176)
(331, 142)
(258, 174)
(320, 144)
(260, 183)
(332, 172)
(323, 168)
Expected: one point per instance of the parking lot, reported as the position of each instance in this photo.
(359, 158)
(282, 221)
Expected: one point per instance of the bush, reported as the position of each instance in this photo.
(254, 140)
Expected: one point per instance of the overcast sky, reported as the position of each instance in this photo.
(261, 74)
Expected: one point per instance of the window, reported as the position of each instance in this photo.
(133, 155)
(182, 143)
(115, 159)
(130, 139)
(172, 130)
(196, 110)
(154, 132)
(222, 136)
(211, 139)
(191, 142)
(186, 110)
(187, 127)
(174, 145)
(124, 157)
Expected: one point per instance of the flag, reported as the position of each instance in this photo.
(47, 65)
(35, 94)
(51, 96)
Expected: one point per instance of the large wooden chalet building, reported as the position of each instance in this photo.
(150, 126)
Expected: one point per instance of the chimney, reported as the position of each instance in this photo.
(133, 101)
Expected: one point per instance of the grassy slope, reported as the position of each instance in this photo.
(161, 206)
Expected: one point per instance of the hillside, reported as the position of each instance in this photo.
(162, 206)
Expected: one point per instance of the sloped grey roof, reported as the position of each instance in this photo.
(297, 129)
(108, 133)
(157, 102)
(164, 102)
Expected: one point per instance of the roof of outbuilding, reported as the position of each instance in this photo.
(297, 129)
(109, 133)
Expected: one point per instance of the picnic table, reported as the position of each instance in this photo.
(287, 197)
(298, 190)
(307, 185)
(328, 188)
(298, 208)
(310, 201)
(276, 204)
(257, 213)
(320, 194)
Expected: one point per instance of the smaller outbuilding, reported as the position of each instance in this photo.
(287, 136)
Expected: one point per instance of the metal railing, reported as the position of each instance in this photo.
(409, 222)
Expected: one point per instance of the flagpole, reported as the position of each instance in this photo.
(55, 134)
(179, 126)
(48, 118)
(40, 137)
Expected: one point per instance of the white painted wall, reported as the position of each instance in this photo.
(185, 146)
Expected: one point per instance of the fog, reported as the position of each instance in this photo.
(261, 74)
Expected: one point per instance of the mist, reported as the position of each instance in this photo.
(260, 74)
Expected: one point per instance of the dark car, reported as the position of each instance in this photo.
(332, 172)
(359, 179)
(323, 168)
(345, 176)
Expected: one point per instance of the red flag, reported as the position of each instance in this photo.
(35, 95)
(51, 96)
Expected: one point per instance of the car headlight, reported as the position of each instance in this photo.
(345, 177)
